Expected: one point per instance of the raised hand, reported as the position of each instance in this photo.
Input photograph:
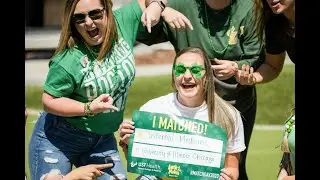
(176, 19)
(151, 15)
(245, 75)
(224, 69)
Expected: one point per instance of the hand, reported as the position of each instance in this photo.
(151, 15)
(224, 69)
(88, 172)
(102, 103)
(125, 130)
(226, 174)
(245, 75)
(283, 173)
(175, 19)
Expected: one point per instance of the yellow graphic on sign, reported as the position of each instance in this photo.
(174, 170)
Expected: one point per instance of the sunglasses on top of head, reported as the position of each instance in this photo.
(95, 14)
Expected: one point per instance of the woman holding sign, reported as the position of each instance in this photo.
(193, 82)
(87, 85)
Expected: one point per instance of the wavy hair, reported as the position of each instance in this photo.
(220, 112)
(69, 34)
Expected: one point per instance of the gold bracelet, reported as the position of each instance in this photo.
(87, 110)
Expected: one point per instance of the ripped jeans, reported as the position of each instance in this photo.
(55, 146)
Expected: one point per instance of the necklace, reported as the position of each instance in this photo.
(290, 124)
(208, 30)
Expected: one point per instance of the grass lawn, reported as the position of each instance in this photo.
(262, 162)
(275, 99)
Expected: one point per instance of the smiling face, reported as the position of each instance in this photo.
(90, 19)
(279, 6)
(190, 84)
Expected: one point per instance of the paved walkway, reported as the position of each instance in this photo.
(256, 127)
(36, 70)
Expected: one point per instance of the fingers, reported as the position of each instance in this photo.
(225, 175)
(148, 22)
(125, 138)
(245, 76)
(179, 22)
(171, 24)
(103, 166)
(126, 127)
(218, 61)
(219, 67)
(143, 18)
(104, 98)
(182, 24)
(111, 107)
(187, 21)
(97, 173)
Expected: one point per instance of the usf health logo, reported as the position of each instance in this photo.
(174, 170)
(133, 164)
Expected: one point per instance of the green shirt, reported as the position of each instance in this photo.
(291, 143)
(75, 74)
(232, 28)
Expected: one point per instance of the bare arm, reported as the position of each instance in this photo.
(231, 167)
(62, 106)
(270, 69)
(67, 107)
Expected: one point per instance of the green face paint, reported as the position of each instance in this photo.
(195, 70)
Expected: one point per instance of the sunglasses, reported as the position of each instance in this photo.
(195, 69)
(95, 14)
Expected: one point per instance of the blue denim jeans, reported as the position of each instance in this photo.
(55, 146)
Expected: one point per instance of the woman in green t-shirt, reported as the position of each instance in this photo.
(86, 87)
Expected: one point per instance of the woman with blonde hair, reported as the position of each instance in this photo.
(194, 97)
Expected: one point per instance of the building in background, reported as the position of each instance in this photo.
(47, 13)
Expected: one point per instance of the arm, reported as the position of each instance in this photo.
(170, 18)
(151, 15)
(231, 168)
(67, 107)
(267, 72)
(59, 86)
(62, 106)
(270, 69)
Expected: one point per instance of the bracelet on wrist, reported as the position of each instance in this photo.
(87, 110)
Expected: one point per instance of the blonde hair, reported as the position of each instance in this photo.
(69, 35)
(220, 112)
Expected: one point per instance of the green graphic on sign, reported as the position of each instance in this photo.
(176, 147)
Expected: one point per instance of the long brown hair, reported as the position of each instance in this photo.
(69, 35)
(219, 111)
(259, 18)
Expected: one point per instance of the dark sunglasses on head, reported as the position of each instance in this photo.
(95, 14)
